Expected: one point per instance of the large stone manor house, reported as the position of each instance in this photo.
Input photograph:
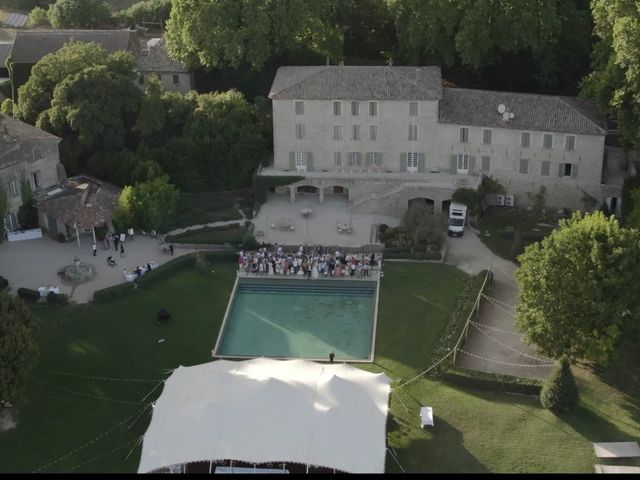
(385, 137)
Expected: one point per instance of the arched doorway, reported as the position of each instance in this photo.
(422, 201)
(336, 191)
(445, 206)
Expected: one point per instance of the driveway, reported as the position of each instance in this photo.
(494, 345)
(35, 263)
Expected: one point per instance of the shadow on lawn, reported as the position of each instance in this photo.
(443, 447)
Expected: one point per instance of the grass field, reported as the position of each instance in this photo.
(475, 431)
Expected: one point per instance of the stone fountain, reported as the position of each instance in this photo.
(78, 272)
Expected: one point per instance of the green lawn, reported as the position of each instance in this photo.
(496, 223)
(476, 431)
(211, 235)
(201, 208)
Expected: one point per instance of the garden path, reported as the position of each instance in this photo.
(494, 345)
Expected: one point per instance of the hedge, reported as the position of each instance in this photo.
(412, 256)
(173, 266)
(492, 381)
(262, 184)
(57, 298)
(4, 283)
(28, 294)
(116, 291)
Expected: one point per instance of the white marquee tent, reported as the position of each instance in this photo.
(264, 410)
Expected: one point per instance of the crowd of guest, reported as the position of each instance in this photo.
(312, 263)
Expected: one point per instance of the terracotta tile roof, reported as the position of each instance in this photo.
(154, 57)
(89, 202)
(31, 45)
(333, 82)
(545, 113)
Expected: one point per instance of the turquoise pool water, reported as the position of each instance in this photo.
(300, 318)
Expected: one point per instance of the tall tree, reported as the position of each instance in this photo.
(18, 345)
(615, 80)
(99, 104)
(155, 203)
(225, 140)
(544, 45)
(36, 94)
(579, 293)
(79, 14)
(369, 32)
(219, 33)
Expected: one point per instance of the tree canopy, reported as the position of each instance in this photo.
(18, 345)
(234, 32)
(79, 13)
(579, 293)
(615, 80)
(99, 103)
(476, 31)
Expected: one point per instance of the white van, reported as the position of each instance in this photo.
(457, 219)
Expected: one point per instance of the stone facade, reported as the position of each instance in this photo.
(416, 151)
(30, 154)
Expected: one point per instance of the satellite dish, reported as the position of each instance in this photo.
(501, 108)
(505, 116)
(511, 115)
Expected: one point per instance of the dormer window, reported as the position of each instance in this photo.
(37, 155)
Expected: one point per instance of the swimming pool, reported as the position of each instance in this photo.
(300, 318)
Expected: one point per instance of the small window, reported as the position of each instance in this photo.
(176, 79)
(355, 132)
(337, 108)
(337, 159)
(373, 132)
(547, 141)
(337, 132)
(355, 159)
(299, 106)
(37, 155)
(486, 136)
(299, 131)
(36, 179)
(486, 164)
(524, 166)
(373, 109)
(525, 139)
(14, 191)
(464, 135)
(412, 161)
(141, 79)
(301, 160)
(544, 168)
(413, 132)
(377, 159)
(355, 108)
(463, 163)
(570, 143)
(567, 170)
(413, 108)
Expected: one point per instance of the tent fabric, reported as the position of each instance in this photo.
(265, 410)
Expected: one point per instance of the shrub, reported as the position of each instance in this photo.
(60, 237)
(4, 283)
(37, 17)
(249, 242)
(382, 228)
(559, 392)
(28, 294)
(57, 298)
